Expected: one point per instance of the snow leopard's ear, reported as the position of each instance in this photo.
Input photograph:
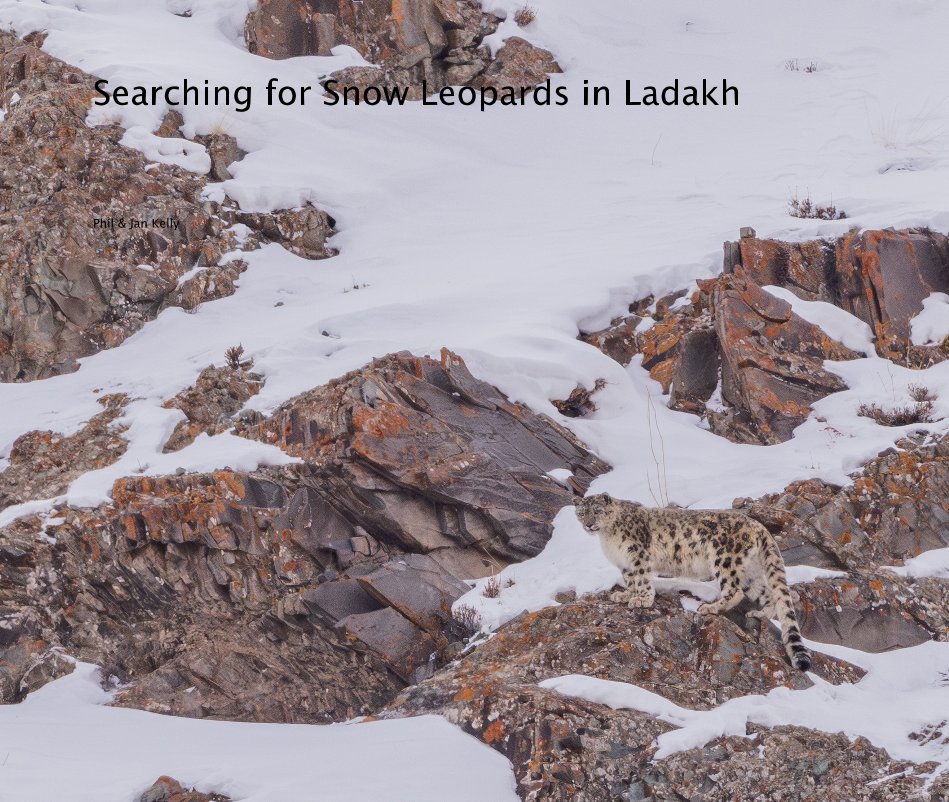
(607, 497)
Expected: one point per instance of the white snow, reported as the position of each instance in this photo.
(499, 235)
(931, 325)
(798, 574)
(933, 563)
(903, 692)
(63, 743)
(838, 324)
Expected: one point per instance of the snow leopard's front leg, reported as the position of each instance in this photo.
(636, 576)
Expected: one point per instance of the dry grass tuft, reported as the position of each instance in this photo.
(920, 411)
(492, 588)
(468, 617)
(806, 208)
(525, 15)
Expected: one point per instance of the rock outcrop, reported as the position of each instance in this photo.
(43, 464)
(881, 277)
(423, 451)
(895, 509)
(209, 405)
(743, 360)
(313, 592)
(97, 239)
(566, 748)
(793, 762)
(168, 789)
(772, 361)
(732, 353)
(439, 42)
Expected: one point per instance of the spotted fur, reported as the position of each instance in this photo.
(704, 544)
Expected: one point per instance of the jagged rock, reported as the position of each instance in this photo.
(730, 334)
(217, 395)
(880, 277)
(303, 231)
(566, 748)
(425, 456)
(772, 360)
(783, 763)
(223, 151)
(874, 613)
(619, 341)
(769, 359)
(168, 789)
(69, 287)
(43, 464)
(518, 63)
(436, 41)
(312, 592)
(895, 509)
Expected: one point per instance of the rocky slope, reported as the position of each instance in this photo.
(323, 590)
(307, 593)
(71, 286)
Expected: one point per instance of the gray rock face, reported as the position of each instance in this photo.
(436, 41)
(880, 277)
(895, 509)
(421, 453)
(312, 592)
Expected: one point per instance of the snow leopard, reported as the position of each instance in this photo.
(725, 545)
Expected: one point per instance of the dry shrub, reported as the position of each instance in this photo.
(468, 617)
(920, 411)
(492, 588)
(234, 358)
(525, 15)
(807, 209)
(793, 65)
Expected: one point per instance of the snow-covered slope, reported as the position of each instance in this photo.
(498, 234)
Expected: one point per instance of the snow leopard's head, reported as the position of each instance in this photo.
(592, 510)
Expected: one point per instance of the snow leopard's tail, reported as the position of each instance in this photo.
(781, 601)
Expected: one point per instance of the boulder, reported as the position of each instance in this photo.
(772, 359)
(168, 789)
(439, 42)
(518, 63)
